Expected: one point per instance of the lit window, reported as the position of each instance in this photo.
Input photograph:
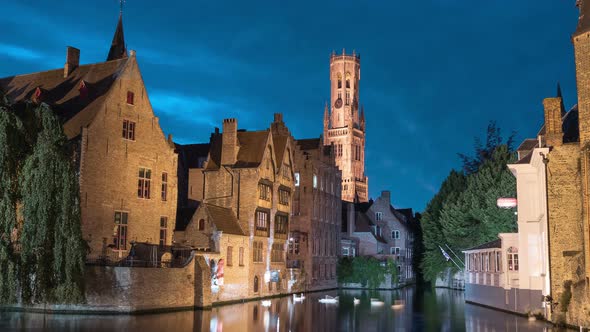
(241, 256)
(264, 191)
(296, 179)
(513, 259)
(281, 226)
(120, 232)
(277, 253)
(315, 181)
(129, 130)
(130, 97)
(163, 230)
(164, 186)
(257, 252)
(262, 228)
(229, 259)
(284, 196)
(143, 185)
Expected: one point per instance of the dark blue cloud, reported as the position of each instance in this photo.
(434, 72)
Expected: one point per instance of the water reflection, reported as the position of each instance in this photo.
(437, 310)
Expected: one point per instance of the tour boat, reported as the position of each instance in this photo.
(329, 299)
(376, 302)
(266, 303)
(398, 304)
(297, 299)
(357, 301)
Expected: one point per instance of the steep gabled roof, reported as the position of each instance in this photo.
(252, 145)
(63, 94)
(225, 220)
(184, 215)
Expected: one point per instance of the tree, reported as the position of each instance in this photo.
(11, 156)
(42, 252)
(53, 251)
(464, 212)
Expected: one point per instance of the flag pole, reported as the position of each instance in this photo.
(451, 250)
(443, 251)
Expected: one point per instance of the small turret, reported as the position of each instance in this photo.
(118, 49)
(584, 18)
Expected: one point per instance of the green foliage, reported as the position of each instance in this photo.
(11, 155)
(367, 271)
(463, 213)
(566, 296)
(42, 252)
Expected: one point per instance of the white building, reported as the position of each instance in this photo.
(512, 273)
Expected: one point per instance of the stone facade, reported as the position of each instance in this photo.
(344, 126)
(315, 231)
(393, 227)
(249, 174)
(127, 167)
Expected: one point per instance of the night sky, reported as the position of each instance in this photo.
(433, 72)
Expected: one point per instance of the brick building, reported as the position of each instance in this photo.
(248, 178)
(377, 229)
(344, 125)
(127, 167)
(315, 229)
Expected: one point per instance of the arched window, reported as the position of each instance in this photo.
(255, 284)
(513, 259)
(339, 81)
(348, 83)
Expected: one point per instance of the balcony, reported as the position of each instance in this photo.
(264, 232)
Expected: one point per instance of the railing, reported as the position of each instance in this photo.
(262, 232)
(149, 255)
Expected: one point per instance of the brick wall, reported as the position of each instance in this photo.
(110, 167)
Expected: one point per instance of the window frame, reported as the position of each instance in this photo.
(129, 130)
(163, 231)
(130, 97)
(144, 183)
(121, 227)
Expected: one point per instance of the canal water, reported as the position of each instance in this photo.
(430, 310)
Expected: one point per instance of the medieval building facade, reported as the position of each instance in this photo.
(127, 167)
(315, 231)
(241, 196)
(344, 125)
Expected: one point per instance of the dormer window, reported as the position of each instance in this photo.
(130, 97)
(83, 90)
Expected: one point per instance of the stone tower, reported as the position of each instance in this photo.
(581, 41)
(344, 125)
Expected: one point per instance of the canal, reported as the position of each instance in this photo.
(431, 310)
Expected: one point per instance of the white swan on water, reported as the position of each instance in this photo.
(329, 299)
(266, 303)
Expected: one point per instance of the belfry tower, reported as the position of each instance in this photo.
(344, 125)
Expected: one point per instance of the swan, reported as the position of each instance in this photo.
(266, 303)
(397, 304)
(376, 302)
(357, 301)
(329, 299)
(297, 299)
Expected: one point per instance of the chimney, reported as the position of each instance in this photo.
(278, 117)
(229, 142)
(553, 124)
(386, 195)
(72, 60)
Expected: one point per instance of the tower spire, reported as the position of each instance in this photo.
(118, 49)
(560, 96)
(584, 18)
